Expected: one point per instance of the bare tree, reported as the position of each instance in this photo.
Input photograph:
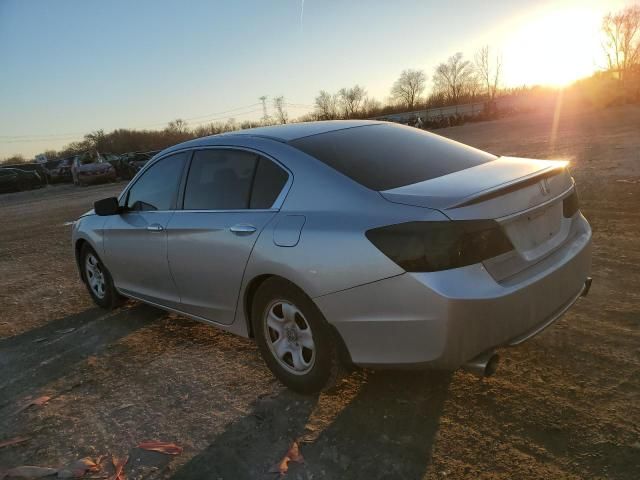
(326, 106)
(371, 106)
(453, 77)
(622, 39)
(281, 112)
(51, 155)
(98, 140)
(472, 87)
(351, 99)
(408, 88)
(488, 71)
(178, 126)
(231, 124)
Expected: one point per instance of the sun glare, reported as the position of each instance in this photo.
(553, 48)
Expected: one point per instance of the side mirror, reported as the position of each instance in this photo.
(107, 206)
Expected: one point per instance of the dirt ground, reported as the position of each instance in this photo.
(564, 405)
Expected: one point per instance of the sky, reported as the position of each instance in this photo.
(70, 67)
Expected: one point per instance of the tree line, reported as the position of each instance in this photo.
(455, 81)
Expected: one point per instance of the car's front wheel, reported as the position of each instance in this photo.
(98, 279)
(295, 340)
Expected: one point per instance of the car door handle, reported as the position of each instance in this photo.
(155, 227)
(243, 229)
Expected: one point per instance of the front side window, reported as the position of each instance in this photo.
(220, 180)
(157, 188)
(232, 180)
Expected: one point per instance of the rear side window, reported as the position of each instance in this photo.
(268, 184)
(386, 156)
(157, 188)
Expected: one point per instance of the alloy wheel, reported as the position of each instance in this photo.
(289, 337)
(95, 276)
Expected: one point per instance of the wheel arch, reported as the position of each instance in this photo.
(250, 291)
(80, 243)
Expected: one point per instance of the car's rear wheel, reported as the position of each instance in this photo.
(98, 279)
(295, 340)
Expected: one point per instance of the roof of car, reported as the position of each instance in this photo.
(280, 133)
(294, 131)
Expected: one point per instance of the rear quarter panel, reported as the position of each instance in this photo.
(333, 252)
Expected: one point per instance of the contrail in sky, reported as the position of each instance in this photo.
(301, 14)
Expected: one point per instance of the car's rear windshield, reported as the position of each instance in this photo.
(386, 156)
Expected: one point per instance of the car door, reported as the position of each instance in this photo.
(229, 197)
(135, 241)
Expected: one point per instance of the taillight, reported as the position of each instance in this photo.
(434, 246)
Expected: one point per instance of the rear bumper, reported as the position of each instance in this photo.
(443, 319)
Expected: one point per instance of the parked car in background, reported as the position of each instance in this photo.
(59, 171)
(91, 168)
(138, 160)
(15, 180)
(128, 164)
(37, 168)
(49, 166)
(120, 165)
(382, 245)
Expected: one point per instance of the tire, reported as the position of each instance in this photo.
(105, 296)
(310, 360)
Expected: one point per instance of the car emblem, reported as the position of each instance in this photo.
(290, 333)
(544, 187)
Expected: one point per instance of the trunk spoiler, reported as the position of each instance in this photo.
(510, 186)
(477, 184)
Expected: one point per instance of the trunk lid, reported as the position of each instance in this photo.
(484, 188)
(524, 196)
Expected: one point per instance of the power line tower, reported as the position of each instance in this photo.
(265, 115)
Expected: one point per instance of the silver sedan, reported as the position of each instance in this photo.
(345, 243)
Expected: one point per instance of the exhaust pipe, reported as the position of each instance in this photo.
(484, 365)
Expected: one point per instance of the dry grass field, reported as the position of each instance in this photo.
(564, 405)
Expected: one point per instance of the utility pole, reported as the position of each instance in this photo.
(265, 114)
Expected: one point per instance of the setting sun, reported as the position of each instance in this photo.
(553, 47)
